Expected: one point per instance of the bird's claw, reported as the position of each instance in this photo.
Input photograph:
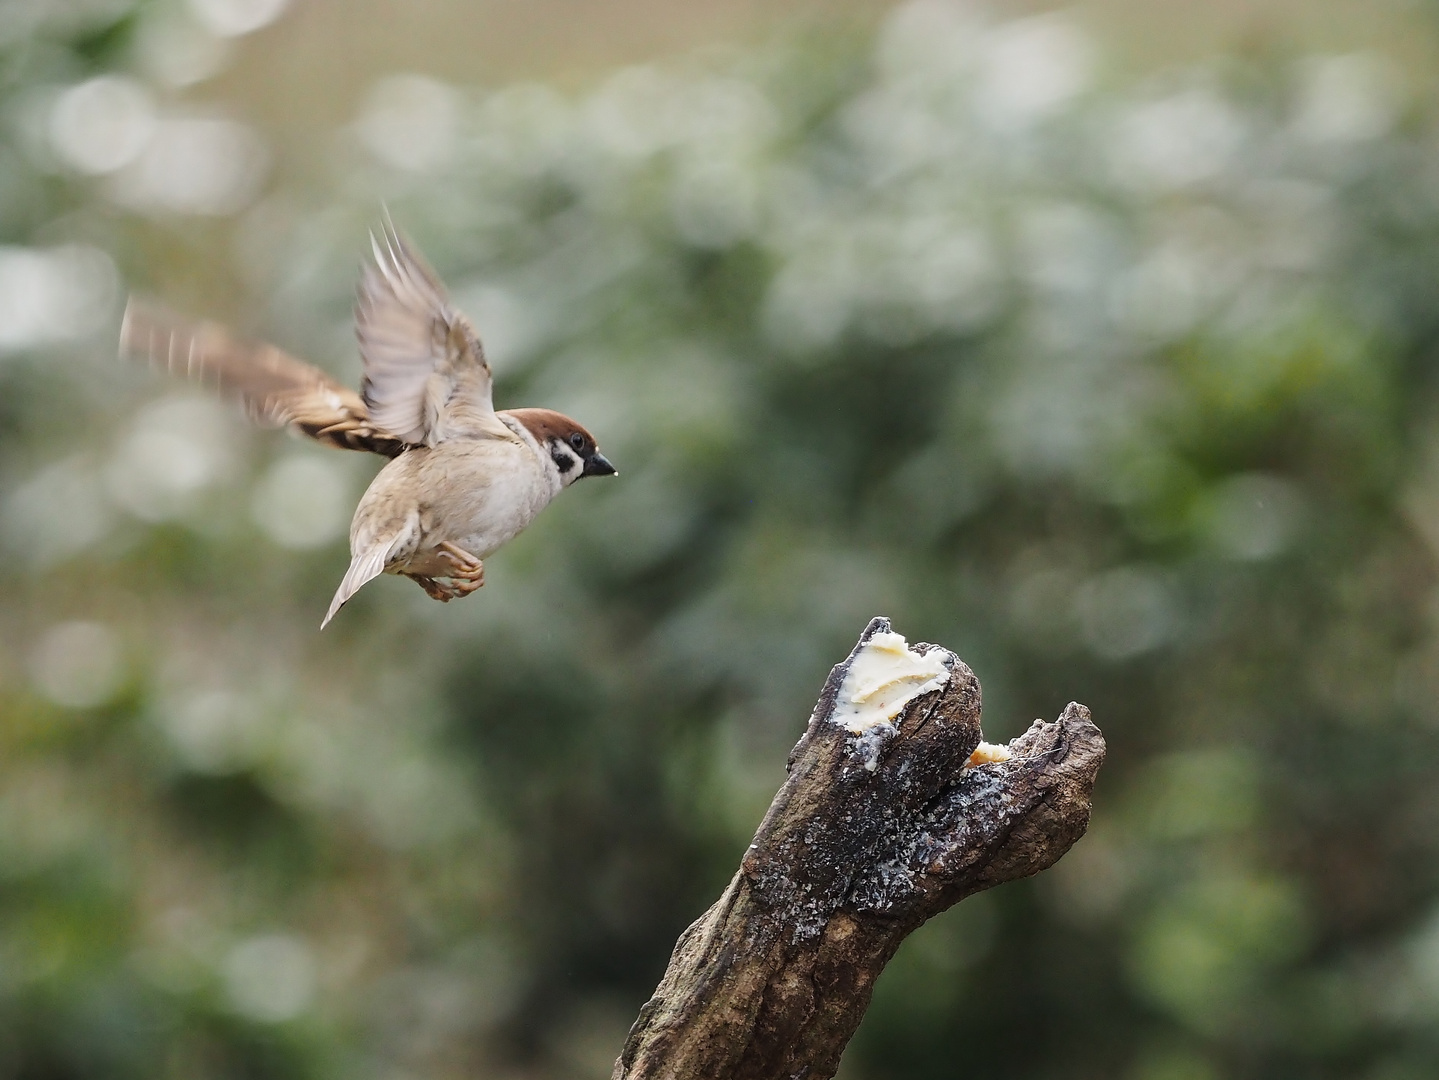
(468, 575)
(436, 590)
(469, 572)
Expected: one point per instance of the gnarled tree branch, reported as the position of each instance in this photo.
(874, 831)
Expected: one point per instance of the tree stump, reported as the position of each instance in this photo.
(884, 821)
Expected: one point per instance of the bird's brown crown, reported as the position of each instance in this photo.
(546, 424)
(568, 445)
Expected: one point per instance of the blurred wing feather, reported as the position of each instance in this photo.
(275, 388)
(424, 366)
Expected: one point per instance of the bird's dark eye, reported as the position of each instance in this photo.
(577, 441)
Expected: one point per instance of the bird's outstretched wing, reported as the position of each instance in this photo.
(426, 377)
(274, 387)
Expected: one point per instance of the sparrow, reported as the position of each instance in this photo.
(462, 479)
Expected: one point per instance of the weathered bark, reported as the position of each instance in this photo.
(773, 980)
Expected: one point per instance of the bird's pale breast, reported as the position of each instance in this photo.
(477, 494)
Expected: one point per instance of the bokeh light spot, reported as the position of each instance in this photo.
(302, 502)
(102, 125)
(270, 977)
(78, 664)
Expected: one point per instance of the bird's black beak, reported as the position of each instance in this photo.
(598, 465)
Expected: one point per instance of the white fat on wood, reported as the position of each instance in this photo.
(885, 676)
(987, 753)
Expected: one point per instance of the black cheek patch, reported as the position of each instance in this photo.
(562, 461)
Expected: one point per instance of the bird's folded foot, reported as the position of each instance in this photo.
(437, 590)
(467, 575)
(469, 572)
(465, 586)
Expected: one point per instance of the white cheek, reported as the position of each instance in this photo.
(577, 467)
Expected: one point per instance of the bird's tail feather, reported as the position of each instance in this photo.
(365, 566)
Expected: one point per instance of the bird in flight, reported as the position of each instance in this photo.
(462, 478)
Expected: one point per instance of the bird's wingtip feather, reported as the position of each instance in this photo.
(134, 313)
(123, 349)
(335, 605)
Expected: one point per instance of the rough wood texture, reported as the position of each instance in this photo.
(773, 980)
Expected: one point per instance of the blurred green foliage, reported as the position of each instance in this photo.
(1124, 392)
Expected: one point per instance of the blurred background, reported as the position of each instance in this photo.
(1098, 344)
